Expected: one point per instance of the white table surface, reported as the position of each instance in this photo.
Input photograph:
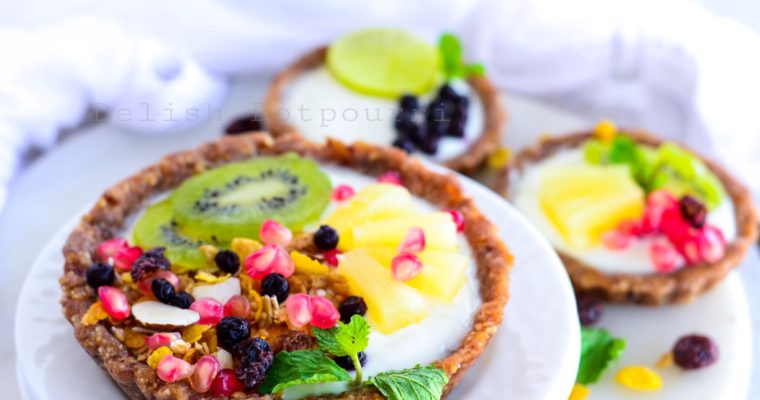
(67, 178)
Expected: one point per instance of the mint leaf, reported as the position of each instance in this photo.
(418, 383)
(301, 367)
(598, 350)
(452, 59)
(344, 339)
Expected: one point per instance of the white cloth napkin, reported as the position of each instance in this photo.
(668, 66)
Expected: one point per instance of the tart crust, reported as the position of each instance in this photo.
(495, 115)
(110, 212)
(681, 286)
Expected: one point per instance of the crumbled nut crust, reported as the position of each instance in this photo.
(681, 286)
(495, 115)
(108, 216)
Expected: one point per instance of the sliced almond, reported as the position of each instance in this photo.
(155, 314)
(220, 291)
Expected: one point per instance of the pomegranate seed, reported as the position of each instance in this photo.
(272, 232)
(161, 339)
(324, 315)
(145, 284)
(658, 202)
(210, 309)
(712, 245)
(298, 307)
(458, 218)
(203, 376)
(406, 266)
(173, 369)
(331, 257)
(688, 245)
(110, 247)
(617, 239)
(391, 177)
(269, 259)
(664, 256)
(674, 225)
(414, 241)
(114, 302)
(237, 306)
(342, 192)
(226, 383)
(124, 258)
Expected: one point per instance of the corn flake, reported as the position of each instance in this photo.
(158, 355)
(500, 158)
(94, 314)
(209, 252)
(665, 360)
(605, 130)
(194, 333)
(208, 277)
(640, 378)
(133, 340)
(579, 392)
(244, 247)
(307, 265)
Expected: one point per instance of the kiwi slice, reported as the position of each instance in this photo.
(156, 228)
(232, 201)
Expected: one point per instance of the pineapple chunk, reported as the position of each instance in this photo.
(440, 231)
(374, 202)
(443, 275)
(391, 305)
(583, 202)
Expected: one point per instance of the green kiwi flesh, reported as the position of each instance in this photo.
(233, 200)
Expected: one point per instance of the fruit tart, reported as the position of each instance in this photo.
(388, 87)
(634, 218)
(266, 268)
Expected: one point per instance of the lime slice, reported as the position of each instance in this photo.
(384, 62)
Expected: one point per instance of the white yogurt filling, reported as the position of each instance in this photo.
(422, 343)
(319, 106)
(634, 259)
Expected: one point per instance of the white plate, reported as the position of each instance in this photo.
(534, 355)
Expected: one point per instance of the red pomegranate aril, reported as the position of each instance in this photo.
(342, 193)
(406, 266)
(298, 308)
(712, 244)
(161, 339)
(688, 245)
(331, 257)
(664, 256)
(269, 259)
(124, 258)
(204, 374)
(324, 314)
(617, 239)
(226, 383)
(114, 302)
(458, 218)
(173, 369)
(110, 247)
(272, 232)
(211, 310)
(391, 177)
(237, 306)
(145, 285)
(414, 241)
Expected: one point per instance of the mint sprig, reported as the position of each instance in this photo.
(598, 350)
(301, 367)
(346, 340)
(418, 383)
(452, 59)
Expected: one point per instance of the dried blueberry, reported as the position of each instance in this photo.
(693, 210)
(275, 285)
(100, 274)
(346, 363)
(429, 145)
(409, 102)
(231, 331)
(404, 143)
(352, 305)
(590, 309)
(326, 238)
(695, 352)
(246, 123)
(227, 261)
(182, 300)
(404, 120)
(446, 92)
(149, 263)
(456, 128)
(255, 357)
(163, 290)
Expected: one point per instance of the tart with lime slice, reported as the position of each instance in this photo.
(268, 268)
(634, 218)
(388, 87)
